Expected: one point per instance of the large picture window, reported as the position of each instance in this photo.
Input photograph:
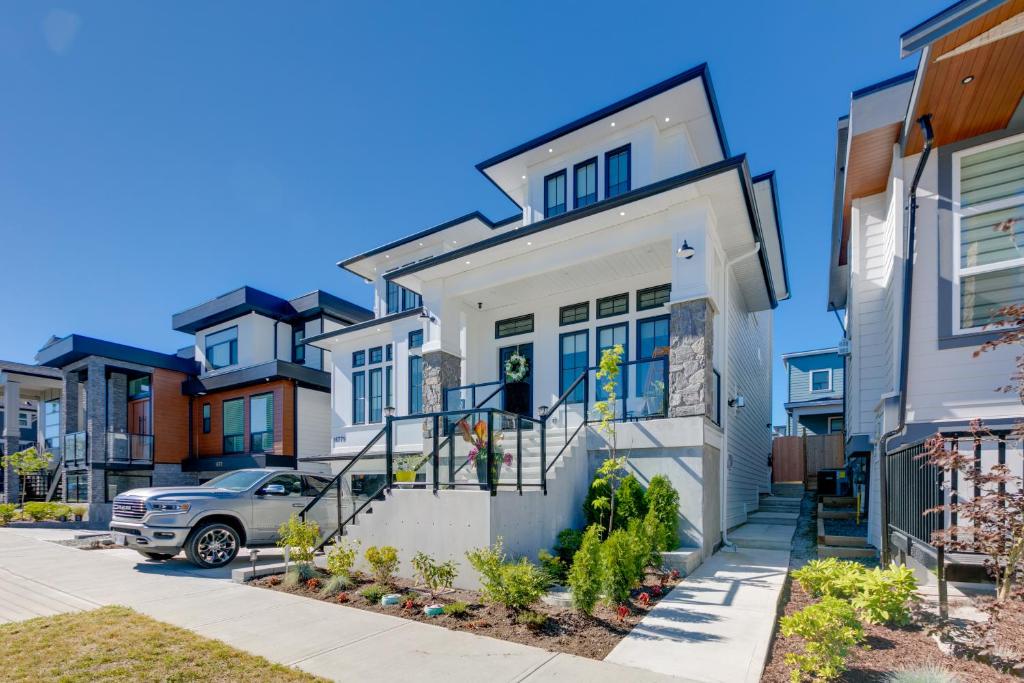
(616, 172)
(234, 425)
(652, 341)
(989, 219)
(584, 182)
(572, 362)
(358, 398)
(554, 194)
(222, 348)
(415, 385)
(376, 395)
(261, 423)
(401, 299)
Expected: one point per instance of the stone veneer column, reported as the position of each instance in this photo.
(689, 364)
(96, 428)
(441, 370)
(11, 433)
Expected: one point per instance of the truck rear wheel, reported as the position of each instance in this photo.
(212, 545)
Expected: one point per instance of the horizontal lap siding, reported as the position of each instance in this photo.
(170, 417)
(284, 422)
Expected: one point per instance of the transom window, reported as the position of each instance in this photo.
(584, 183)
(376, 354)
(652, 297)
(821, 380)
(574, 313)
(616, 172)
(989, 184)
(513, 326)
(554, 194)
(138, 388)
(613, 305)
(358, 359)
(222, 348)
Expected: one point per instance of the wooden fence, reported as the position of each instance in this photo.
(798, 458)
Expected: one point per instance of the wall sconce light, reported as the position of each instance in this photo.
(543, 411)
(737, 402)
(389, 411)
(686, 251)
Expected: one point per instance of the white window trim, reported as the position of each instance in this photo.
(958, 214)
(810, 380)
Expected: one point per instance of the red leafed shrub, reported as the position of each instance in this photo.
(622, 612)
(274, 581)
(342, 597)
(674, 575)
(313, 584)
(645, 599)
(656, 591)
(409, 604)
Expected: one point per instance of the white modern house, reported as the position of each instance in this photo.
(638, 226)
(928, 245)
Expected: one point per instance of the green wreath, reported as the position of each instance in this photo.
(516, 368)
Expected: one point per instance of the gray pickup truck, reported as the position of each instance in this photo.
(243, 508)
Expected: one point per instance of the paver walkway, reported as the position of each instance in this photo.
(716, 625)
(39, 578)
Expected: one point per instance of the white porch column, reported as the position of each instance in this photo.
(11, 435)
(443, 346)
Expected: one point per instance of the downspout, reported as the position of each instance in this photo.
(842, 327)
(908, 288)
(724, 465)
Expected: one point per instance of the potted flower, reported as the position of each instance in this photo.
(517, 389)
(485, 452)
(405, 470)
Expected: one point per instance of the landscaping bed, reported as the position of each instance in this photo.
(846, 527)
(562, 629)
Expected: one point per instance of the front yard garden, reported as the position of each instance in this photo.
(117, 644)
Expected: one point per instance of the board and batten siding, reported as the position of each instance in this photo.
(314, 422)
(749, 375)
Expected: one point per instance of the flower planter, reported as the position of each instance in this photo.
(405, 477)
(390, 599)
(433, 610)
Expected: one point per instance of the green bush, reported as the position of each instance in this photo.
(336, 584)
(568, 543)
(629, 503)
(622, 565)
(299, 539)
(593, 515)
(830, 577)
(38, 511)
(383, 563)
(78, 511)
(884, 596)
(8, 511)
(554, 569)
(457, 609)
(644, 533)
(830, 630)
(298, 574)
(585, 573)
(373, 593)
(516, 585)
(341, 557)
(663, 512)
(532, 620)
(437, 577)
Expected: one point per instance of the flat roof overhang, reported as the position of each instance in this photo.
(367, 327)
(257, 374)
(75, 347)
(726, 184)
(245, 300)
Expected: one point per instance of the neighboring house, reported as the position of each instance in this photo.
(638, 227)
(248, 393)
(814, 402)
(29, 415)
(931, 164)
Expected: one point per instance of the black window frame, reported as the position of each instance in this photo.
(207, 417)
(358, 402)
(79, 483)
(667, 288)
(410, 299)
(298, 347)
(358, 358)
(393, 290)
(576, 204)
(146, 393)
(565, 193)
(389, 353)
(224, 424)
(232, 348)
(516, 331)
(608, 156)
(585, 305)
(376, 351)
(624, 369)
(418, 336)
(614, 297)
(252, 447)
(374, 413)
(415, 391)
(562, 383)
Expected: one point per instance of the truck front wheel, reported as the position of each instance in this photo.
(212, 545)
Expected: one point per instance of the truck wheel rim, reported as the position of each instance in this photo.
(216, 546)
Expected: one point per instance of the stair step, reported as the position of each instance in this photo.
(772, 517)
(763, 536)
(845, 551)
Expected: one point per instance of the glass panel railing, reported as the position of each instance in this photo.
(482, 395)
(128, 448)
(74, 450)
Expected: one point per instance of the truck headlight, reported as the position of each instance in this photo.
(167, 506)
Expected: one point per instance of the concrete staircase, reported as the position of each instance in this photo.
(772, 526)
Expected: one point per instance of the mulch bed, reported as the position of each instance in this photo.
(890, 649)
(564, 630)
(846, 527)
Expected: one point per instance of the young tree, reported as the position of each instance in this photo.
(613, 470)
(25, 463)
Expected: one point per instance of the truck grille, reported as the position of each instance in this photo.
(127, 507)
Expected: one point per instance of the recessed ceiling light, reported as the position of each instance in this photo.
(966, 79)
(529, 244)
(550, 150)
(524, 177)
(375, 270)
(667, 119)
(387, 255)
(421, 244)
(467, 263)
(455, 241)
(378, 329)
(613, 124)
(622, 213)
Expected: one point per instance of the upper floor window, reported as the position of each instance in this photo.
(358, 359)
(401, 299)
(989, 183)
(207, 416)
(388, 352)
(415, 339)
(376, 354)
(616, 172)
(613, 305)
(821, 380)
(298, 348)
(652, 297)
(513, 326)
(394, 300)
(222, 348)
(584, 183)
(410, 299)
(574, 313)
(554, 194)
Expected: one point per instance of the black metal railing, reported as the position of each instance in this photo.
(76, 453)
(128, 448)
(478, 395)
(915, 486)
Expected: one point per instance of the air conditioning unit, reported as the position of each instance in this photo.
(844, 347)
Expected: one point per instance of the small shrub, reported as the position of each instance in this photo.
(884, 596)
(374, 593)
(299, 539)
(299, 574)
(313, 584)
(622, 565)
(585, 573)
(456, 609)
(663, 512)
(8, 511)
(569, 541)
(552, 566)
(437, 577)
(383, 563)
(629, 502)
(343, 597)
(830, 629)
(336, 584)
(644, 533)
(923, 674)
(341, 556)
(830, 577)
(274, 580)
(532, 620)
(515, 585)
(78, 511)
(593, 514)
(38, 511)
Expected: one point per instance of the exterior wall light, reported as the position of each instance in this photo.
(686, 251)
(389, 411)
(737, 402)
(543, 411)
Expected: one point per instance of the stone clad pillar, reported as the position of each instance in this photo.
(690, 367)
(11, 436)
(96, 427)
(441, 370)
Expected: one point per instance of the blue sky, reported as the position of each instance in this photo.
(153, 155)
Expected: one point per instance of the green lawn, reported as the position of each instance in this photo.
(117, 644)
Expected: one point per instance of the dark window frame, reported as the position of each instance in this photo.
(358, 358)
(224, 424)
(575, 183)
(80, 487)
(562, 386)
(252, 448)
(626, 149)
(389, 353)
(574, 307)
(565, 193)
(389, 393)
(393, 290)
(298, 347)
(144, 394)
(207, 417)
(623, 368)
(667, 288)
(624, 296)
(232, 348)
(374, 414)
(415, 392)
(418, 335)
(358, 402)
(377, 351)
(641, 373)
(514, 320)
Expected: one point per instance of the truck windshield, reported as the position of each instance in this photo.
(235, 481)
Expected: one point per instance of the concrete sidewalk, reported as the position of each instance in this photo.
(717, 624)
(38, 578)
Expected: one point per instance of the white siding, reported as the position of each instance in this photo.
(255, 340)
(314, 422)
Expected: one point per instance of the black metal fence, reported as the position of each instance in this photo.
(915, 486)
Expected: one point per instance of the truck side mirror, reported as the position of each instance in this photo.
(272, 490)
